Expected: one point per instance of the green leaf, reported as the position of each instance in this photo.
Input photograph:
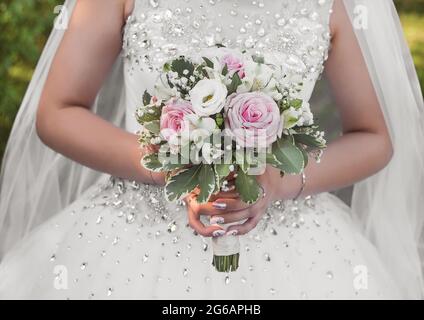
(259, 59)
(225, 70)
(152, 126)
(149, 114)
(151, 162)
(236, 81)
(305, 155)
(289, 156)
(222, 171)
(296, 103)
(308, 141)
(181, 64)
(208, 62)
(147, 97)
(272, 160)
(219, 119)
(182, 183)
(206, 183)
(247, 187)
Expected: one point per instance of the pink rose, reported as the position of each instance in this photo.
(172, 118)
(234, 64)
(253, 117)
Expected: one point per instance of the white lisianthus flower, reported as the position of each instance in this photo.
(208, 97)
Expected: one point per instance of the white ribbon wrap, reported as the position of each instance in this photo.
(226, 245)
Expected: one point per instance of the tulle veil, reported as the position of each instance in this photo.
(36, 183)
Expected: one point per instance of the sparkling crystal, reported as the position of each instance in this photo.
(145, 258)
(172, 227)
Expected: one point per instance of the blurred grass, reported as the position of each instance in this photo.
(413, 24)
(25, 25)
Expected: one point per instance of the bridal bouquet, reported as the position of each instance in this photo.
(220, 119)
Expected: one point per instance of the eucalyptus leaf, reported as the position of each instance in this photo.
(247, 187)
(182, 183)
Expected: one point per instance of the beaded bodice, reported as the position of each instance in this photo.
(293, 33)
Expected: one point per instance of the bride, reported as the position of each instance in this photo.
(70, 232)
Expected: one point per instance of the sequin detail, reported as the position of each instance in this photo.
(295, 32)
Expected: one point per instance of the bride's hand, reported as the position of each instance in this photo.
(220, 206)
(228, 208)
(254, 213)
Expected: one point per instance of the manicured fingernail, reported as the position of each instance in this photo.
(217, 220)
(232, 233)
(218, 233)
(219, 205)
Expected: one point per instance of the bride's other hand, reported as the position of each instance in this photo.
(228, 208)
(220, 205)
(272, 186)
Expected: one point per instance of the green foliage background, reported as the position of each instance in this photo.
(25, 25)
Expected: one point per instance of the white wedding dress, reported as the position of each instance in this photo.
(122, 240)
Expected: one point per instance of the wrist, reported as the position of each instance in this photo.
(285, 187)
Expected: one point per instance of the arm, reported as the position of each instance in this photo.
(64, 121)
(365, 147)
(363, 150)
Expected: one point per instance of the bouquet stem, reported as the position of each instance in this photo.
(226, 253)
(226, 263)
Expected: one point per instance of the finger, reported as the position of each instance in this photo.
(232, 217)
(200, 228)
(246, 227)
(210, 209)
(233, 194)
(230, 205)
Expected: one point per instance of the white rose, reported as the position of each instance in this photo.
(208, 97)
